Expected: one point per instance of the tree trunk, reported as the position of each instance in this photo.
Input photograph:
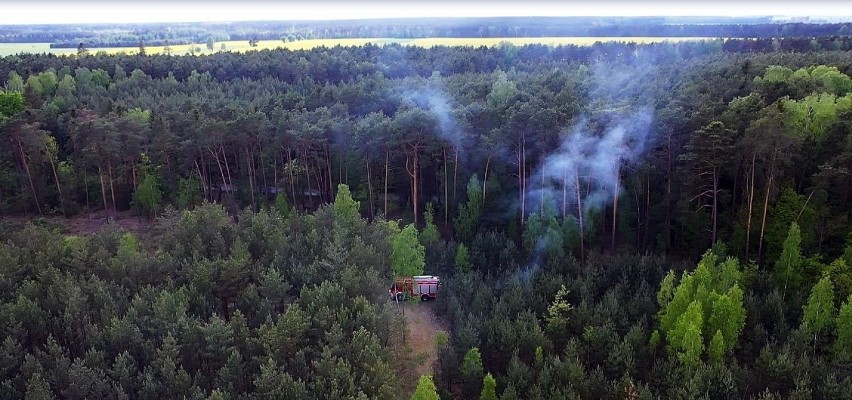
(111, 186)
(750, 207)
(412, 172)
(250, 173)
(564, 196)
(227, 168)
(221, 170)
(370, 188)
(446, 191)
(485, 180)
(330, 183)
(715, 204)
(647, 211)
(387, 155)
(615, 206)
(201, 178)
(765, 208)
(291, 165)
(455, 176)
(29, 176)
(580, 215)
(103, 188)
(58, 187)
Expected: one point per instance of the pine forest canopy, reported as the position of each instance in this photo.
(668, 220)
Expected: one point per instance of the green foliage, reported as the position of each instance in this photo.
(462, 260)
(11, 103)
(787, 267)
(188, 194)
(467, 220)
(408, 255)
(345, 207)
(685, 339)
(425, 389)
(471, 373)
(429, 234)
(711, 290)
(148, 195)
(489, 388)
(716, 350)
(282, 205)
(843, 329)
(818, 313)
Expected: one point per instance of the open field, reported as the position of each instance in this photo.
(242, 45)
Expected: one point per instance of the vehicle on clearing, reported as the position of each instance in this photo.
(423, 286)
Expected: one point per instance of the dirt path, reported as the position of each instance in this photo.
(420, 351)
(423, 325)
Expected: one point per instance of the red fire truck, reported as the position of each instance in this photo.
(423, 286)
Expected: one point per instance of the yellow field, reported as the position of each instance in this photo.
(242, 45)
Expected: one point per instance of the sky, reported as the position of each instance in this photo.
(118, 11)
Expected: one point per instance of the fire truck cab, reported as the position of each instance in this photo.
(423, 286)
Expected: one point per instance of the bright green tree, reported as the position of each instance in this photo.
(713, 291)
(11, 103)
(408, 256)
(685, 339)
(462, 258)
(489, 388)
(790, 262)
(469, 213)
(819, 311)
(426, 389)
(843, 344)
(345, 207)
(148, 195)
(430, 231)
(716, 350)
(472, 373)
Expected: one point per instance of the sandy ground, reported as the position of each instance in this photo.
(423, 325)
(418, 352)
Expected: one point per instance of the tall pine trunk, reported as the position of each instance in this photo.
(29, 176)
(580, 215)
(765, 208)
(615, 206)
(750, 207)
(370, 188)
(387, 155)
(58, 187)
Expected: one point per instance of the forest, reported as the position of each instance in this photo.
(616, 221)
(159, 34)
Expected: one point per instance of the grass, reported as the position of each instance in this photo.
(242, 45)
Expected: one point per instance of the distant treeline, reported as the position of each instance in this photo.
(108, 35)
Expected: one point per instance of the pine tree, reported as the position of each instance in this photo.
(344, 206)
(462, 258)
(489, 388)
(430, 231)
(425, 389)
(716, 350)
(37, 388)
(472, 373)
